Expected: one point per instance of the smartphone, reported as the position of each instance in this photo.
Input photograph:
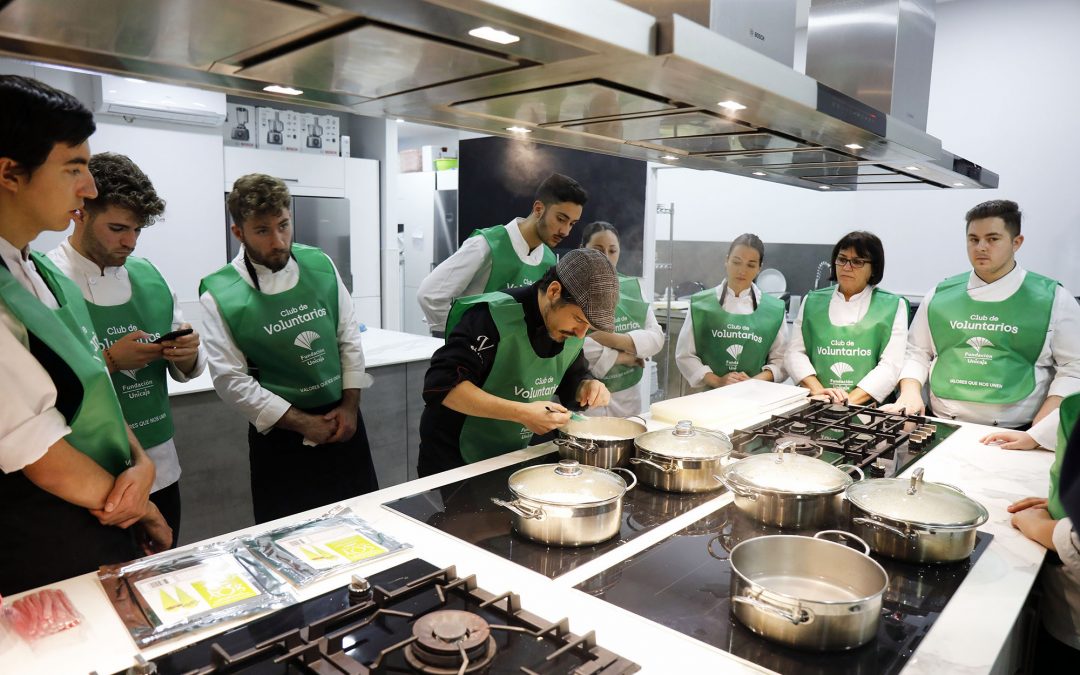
(175, 334)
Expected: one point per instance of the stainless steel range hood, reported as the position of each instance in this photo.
(603, 77)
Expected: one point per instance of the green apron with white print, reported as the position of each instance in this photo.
(1068, 414)
(986, 351)
(143, 393)
(843, 355)
(289, 338)
(517, 374)
(728, 342)
(507, 269)
(630, 314)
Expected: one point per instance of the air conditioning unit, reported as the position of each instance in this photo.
(149, 100)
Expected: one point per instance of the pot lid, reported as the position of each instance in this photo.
(685, 441)
(567, 483)
(789, 472)
(915, 501)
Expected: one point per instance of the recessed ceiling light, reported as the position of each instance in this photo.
(669, 157)
(823, 187)
(959, 184)
(494, 35)
(760, 173)
(853, 146)
(911, 168)
(733, 106)
(278, 89)
(400, 121)
(519, 130)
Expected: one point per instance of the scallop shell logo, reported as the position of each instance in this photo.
(977, 343)
(305, 339)
(735, 350)
(840, 368)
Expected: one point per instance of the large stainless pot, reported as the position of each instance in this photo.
(567, 504)
(683, 459)
(788, 490)
(915, 521)
(605, 442)
(807, 592)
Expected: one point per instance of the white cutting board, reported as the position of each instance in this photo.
(724, 407)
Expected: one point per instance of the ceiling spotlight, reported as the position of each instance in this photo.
(400, 121)
(279, 89)
(959, 184)
(853, 146)
(760, 173)
(823, 187)
(670, 158)
(911, 168)
(519, 130)
(494, 35)
(731, 106)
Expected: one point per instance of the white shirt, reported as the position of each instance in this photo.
(648, 341)
(110, 287)
(880, 381)
(1057, 369)
(692, 367)
(29, 420)
(228, 365)
(466, 273)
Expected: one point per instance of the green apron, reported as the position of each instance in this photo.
(507, 270)
(517, 374)
(143, 393)
(97, 427)
(1068, 413)
(986, 351)
(289, 338)
(728, 342)
(630, 314)
(843, 355)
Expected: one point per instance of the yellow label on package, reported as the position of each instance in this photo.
(331, 547)
(217, 582)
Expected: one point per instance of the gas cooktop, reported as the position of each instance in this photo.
(882, 444)
(412, 618)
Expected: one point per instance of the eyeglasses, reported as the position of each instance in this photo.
(854, 263)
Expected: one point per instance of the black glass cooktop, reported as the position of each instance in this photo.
(683, 582)
(464, 510)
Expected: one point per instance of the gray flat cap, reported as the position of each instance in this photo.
(589, 278)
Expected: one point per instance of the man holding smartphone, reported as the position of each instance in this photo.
(136, 314)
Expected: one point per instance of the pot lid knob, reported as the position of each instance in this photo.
(568, 467)
(781, 448)
(916, 481)
(684, 428)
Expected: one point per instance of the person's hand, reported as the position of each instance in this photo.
(831, 394)
(1010, 440)
(593, 393)
(1035, 524)
(153, 534)
(344, 417)
(183, 351)
(127, 502)
(128, 353)
(320, 429)
(628, 359)
(1027, 503)
(541, 417)
(907, 404)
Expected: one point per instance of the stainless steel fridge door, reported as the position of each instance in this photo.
(446, 226)
(323, 222)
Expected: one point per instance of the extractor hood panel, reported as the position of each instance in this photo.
(561, 104)
(661, 129)
(784, 158)
(731, 144)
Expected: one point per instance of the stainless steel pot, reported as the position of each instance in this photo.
(807, 592)
(605, 442)
(683, 459)
(567, 504)
(913, 520)
(788, 490)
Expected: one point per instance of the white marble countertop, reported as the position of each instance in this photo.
(966, 638)
(381, 348)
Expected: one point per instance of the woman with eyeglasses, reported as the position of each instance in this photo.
(848, 340)
(618, 358)
(733, 332)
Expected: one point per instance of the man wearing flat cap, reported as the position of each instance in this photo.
(489, 388)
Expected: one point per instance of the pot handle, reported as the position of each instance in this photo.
(638, 417)
(852, 467)
(574, 443)
(884, 526)
(846, 535)
(633, 477)
(670, 468)
(520, 509)
(803, 614)
(732, 486)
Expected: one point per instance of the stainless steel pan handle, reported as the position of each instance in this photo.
(637, 417)
(798, 616)
(575, 444)
(732, 486)
(633, 477)
(668, 468)
(852, 467)
(870, 522)
(532, 513)
(846, 535)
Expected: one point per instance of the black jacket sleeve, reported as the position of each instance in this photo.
(468, 354)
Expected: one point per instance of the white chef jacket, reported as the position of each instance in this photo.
(692, 367)
(228, 365)
(880, 381)
(466, 273)
(29, 420)
(648, 341)
(1057, 370)
(112, 287)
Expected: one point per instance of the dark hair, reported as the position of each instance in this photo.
(545, 281)
(257, 194)
(34, 117)
(751, 240)
(868, 246)
(558, 188)
(122, 184)
(1008, 211)
(595, 227)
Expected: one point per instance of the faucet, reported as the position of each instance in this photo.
(822, 266)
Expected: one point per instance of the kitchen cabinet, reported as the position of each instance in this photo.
(306, 175)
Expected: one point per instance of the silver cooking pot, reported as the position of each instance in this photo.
(605, 442)
(786, 489)
(913, 520)
(807, 592)
(567, 504)
(682, 459)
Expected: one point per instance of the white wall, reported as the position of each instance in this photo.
(1003, 94)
